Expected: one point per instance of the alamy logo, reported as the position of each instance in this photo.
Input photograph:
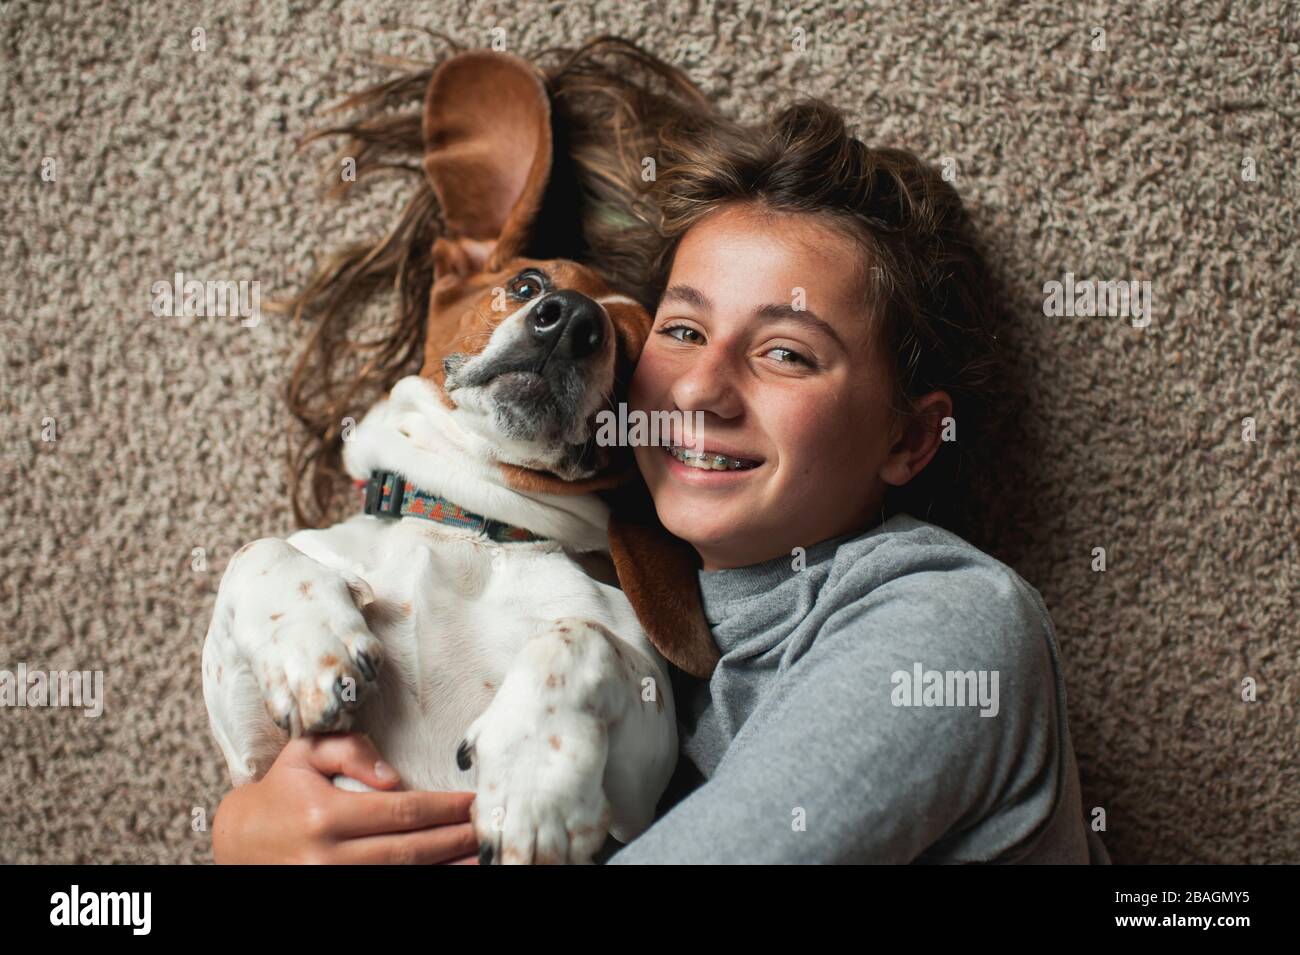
(924, 687)
(36, 688)
(103, 908)
(193, 298)
(640, 429)
(1124, 299)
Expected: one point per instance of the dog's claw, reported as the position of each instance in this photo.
(366, 666)
(463, 760)
(485, 854)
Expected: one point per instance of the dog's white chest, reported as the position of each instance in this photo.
(440, 613)
(452, 612)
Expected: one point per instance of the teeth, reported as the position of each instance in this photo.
(706, 462)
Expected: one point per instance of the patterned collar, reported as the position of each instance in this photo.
(380, 501)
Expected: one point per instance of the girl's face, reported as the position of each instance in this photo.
(762, 328)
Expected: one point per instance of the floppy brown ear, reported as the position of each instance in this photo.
(487, 155)
(657, 571)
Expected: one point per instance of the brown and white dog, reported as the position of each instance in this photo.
(511, 663)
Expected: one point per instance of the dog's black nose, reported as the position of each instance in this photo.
(570, 322)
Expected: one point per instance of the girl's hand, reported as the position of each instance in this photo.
(295, 814)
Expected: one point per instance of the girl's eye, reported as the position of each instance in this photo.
(794, 358)
(685, 330)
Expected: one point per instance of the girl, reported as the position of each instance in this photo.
(887, 692)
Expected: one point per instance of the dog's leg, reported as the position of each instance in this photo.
(287, 639)
(243, 728)
(580, 739)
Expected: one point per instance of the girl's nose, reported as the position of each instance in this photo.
(709, 382)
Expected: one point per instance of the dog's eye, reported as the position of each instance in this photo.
(526, 285)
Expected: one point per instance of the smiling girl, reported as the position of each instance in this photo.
(886, 691)
(822, 310)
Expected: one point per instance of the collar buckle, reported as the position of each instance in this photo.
(375, 504)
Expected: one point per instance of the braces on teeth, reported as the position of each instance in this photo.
(715, 462)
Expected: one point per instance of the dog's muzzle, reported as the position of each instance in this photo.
(541, 378)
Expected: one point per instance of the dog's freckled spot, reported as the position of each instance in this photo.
(487, 685)
(554, 741)
(276, 616)
(305, 588)
(405, 608)
(329, 660)
(554, 681)
(550, 709)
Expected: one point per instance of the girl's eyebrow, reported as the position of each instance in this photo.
(687, 295)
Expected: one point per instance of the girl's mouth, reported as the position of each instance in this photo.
(709, 460)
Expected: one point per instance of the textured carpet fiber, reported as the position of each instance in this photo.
(1129, 162)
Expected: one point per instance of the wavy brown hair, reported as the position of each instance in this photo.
(614, 105)
(610, 101)
(922, 277)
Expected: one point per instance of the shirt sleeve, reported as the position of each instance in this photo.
(833, 766)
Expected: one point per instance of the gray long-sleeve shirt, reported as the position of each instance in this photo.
(844, 720)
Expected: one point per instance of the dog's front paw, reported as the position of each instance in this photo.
(312, 676)
(316, 657)
(539, 794)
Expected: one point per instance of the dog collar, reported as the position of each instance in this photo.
(380, 500)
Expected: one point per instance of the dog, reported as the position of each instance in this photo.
(486, 619)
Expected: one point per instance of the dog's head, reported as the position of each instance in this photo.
(527, 349)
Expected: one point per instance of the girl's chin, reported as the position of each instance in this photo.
(701, 526)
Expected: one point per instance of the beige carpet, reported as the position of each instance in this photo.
(1109, 164)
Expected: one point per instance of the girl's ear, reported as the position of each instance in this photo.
(487, 155)
(658, 572)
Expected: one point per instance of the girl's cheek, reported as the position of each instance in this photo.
(808, 422)
(637, 388)
(821, 435)
(651, 380)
